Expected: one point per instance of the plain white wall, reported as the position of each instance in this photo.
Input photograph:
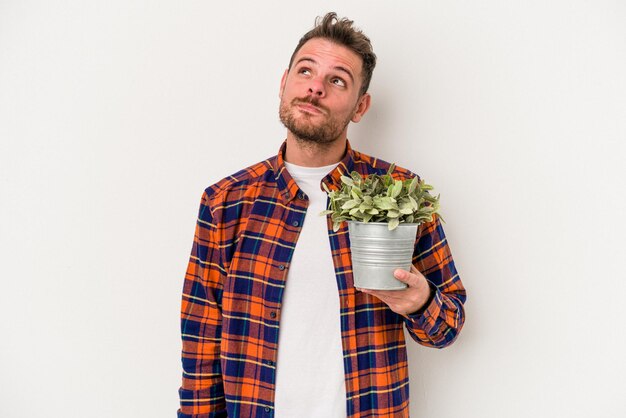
(114, 116)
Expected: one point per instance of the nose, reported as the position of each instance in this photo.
(316, 87)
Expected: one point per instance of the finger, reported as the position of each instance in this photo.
(418, 273)
(405, 276)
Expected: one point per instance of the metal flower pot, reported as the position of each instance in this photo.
(377, 252)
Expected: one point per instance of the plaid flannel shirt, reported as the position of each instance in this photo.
(246, 232)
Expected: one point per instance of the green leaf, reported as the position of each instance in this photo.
(393, 214)
(350, 204)
(364, 206)
(405, 203)
(393, 224)
(347, 180)
(397, 188)
(356, 177)
(385, 203)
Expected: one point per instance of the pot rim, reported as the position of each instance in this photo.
(386, 223)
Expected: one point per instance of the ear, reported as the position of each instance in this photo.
(283, 80)
(362, 107)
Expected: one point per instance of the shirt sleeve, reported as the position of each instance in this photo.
(202, 391)
(439, 323)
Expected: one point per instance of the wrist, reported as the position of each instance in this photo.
(432, 290)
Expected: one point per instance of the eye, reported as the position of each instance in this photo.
(304, 71)
(338, 82)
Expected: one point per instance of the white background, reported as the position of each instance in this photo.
(114, 116)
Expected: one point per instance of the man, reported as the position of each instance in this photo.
(272, 325)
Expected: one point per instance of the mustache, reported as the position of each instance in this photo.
(310, 100)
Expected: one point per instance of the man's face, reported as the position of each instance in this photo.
(319, 95)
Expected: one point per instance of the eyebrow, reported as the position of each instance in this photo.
(338, 67)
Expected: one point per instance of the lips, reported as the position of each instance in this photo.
(309, 107)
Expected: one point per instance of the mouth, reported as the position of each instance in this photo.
(309, 108)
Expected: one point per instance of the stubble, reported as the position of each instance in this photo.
(305, 131)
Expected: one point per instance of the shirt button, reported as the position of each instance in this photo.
(295, 223)
(272, 314)
(270, 363)
(281, 267)
(267, 409)
(301, 196)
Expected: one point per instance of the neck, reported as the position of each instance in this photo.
(310, 154)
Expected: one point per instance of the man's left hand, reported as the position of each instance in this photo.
(405, 301)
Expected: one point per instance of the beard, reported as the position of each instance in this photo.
(304, 130)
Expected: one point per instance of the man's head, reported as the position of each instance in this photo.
(325, 86)
(341, 32)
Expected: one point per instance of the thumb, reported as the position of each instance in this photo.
(404, 276)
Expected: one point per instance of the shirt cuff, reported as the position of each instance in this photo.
(426, 317)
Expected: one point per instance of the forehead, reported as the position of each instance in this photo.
(328, 53)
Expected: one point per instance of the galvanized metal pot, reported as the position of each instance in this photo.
(377, 252)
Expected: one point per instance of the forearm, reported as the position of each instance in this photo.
(439, 322)
(202, 390)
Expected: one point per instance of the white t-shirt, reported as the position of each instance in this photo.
(310, 381)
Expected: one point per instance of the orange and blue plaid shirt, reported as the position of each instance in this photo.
(246, 232)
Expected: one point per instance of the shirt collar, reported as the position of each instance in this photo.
(287, 185)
